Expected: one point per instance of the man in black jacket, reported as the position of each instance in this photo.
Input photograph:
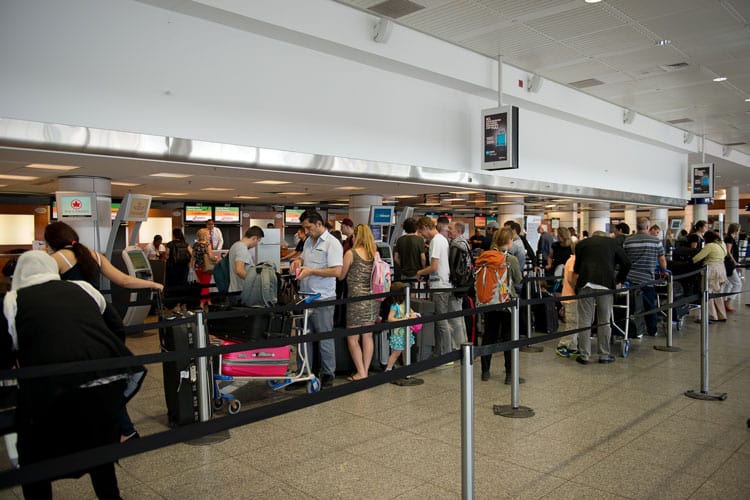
(594, 269)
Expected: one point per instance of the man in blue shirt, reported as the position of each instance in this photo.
(317, 270)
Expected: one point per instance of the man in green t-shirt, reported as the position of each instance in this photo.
(409, 251)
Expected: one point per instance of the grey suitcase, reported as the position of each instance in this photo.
(425, 339)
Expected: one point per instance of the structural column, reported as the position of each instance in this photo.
(732, 205)
(659, 216)
(630, 216)
(359, 207)
(94, 232)
(599, 217)
(510, 212)
(700, 212)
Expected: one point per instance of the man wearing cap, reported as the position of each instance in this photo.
(347, 229)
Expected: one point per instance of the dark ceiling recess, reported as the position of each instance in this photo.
(589, 82)
(396, 8)
(735, 144)
(680, 120)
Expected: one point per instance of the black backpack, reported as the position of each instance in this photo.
(461, 266)
(179, 253)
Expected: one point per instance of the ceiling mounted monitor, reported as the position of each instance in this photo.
(500, 138)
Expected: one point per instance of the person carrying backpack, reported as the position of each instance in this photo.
(459, 260)
(239, 260)
(496, 273)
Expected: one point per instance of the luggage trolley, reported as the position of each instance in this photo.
(622, 301)
(303, 373)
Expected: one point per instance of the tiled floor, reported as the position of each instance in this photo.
(623, 430)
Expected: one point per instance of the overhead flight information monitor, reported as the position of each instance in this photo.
(500, 138)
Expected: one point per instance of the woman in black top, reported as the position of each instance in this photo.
(47, 321)
(560, 252)
(734, 283)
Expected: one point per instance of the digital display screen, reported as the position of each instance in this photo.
(292, 215)
(381, 215)
(226, 214)
(115, 208)
(480, 221)
(377, 232)
(495, 130)
(500, 138)
(676, 224)
(703, 180)
(385, 252)
(197, 213)
(138, 258)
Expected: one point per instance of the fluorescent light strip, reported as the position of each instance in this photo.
(126, 184)
(42, 166)
(11, 177)
(243, 197)
(217, 189)
(173, 194)
(170, 175)
(273, 182)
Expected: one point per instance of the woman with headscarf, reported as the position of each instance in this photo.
(52, 321)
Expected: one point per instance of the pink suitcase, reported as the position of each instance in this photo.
(266, 362)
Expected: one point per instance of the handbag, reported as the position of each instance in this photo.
(418, 327)
(208, 264)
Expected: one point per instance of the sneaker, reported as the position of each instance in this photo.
(564, 352)
(509, 379)
(582, 360)
(606, 359)
(485, 376)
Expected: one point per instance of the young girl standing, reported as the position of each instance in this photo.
(398, 335)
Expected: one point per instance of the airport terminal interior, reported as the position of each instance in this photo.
(131, 118)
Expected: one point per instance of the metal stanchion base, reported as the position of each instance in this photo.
(706, 396)
(667, 348)
(409, 381)
(510, 412)
(531, 348)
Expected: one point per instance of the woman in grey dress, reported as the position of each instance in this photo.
(357, 270)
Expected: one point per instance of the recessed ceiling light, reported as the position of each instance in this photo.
(305, 203)
(405, 196)
(350, 188)
(11, 177)
(720, 79)
(593, 1)
(273, 182)
(170, 175)
(42, 166)
(217, 189)
(127, 184)
(3, 185)
(244, 197)
(173, 194)
(747, 100)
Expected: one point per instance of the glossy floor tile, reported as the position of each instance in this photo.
(617, 431)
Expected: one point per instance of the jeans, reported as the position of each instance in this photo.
(645, 300)
(449, 333)
(586, 305)
(321, 321)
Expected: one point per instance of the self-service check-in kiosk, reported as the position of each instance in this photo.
(134, 305)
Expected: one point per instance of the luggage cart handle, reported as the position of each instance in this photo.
(308, 297)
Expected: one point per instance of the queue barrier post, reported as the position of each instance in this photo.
(514, 410)
(467, 421)
(408, 380)
(529, 326)
(203, 378)
(670, 317)
(704, 394)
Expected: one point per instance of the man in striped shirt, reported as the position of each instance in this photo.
(646, 253)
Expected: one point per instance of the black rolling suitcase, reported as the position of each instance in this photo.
(180, 387)
(545, 314)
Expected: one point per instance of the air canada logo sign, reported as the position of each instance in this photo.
(76, 205)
